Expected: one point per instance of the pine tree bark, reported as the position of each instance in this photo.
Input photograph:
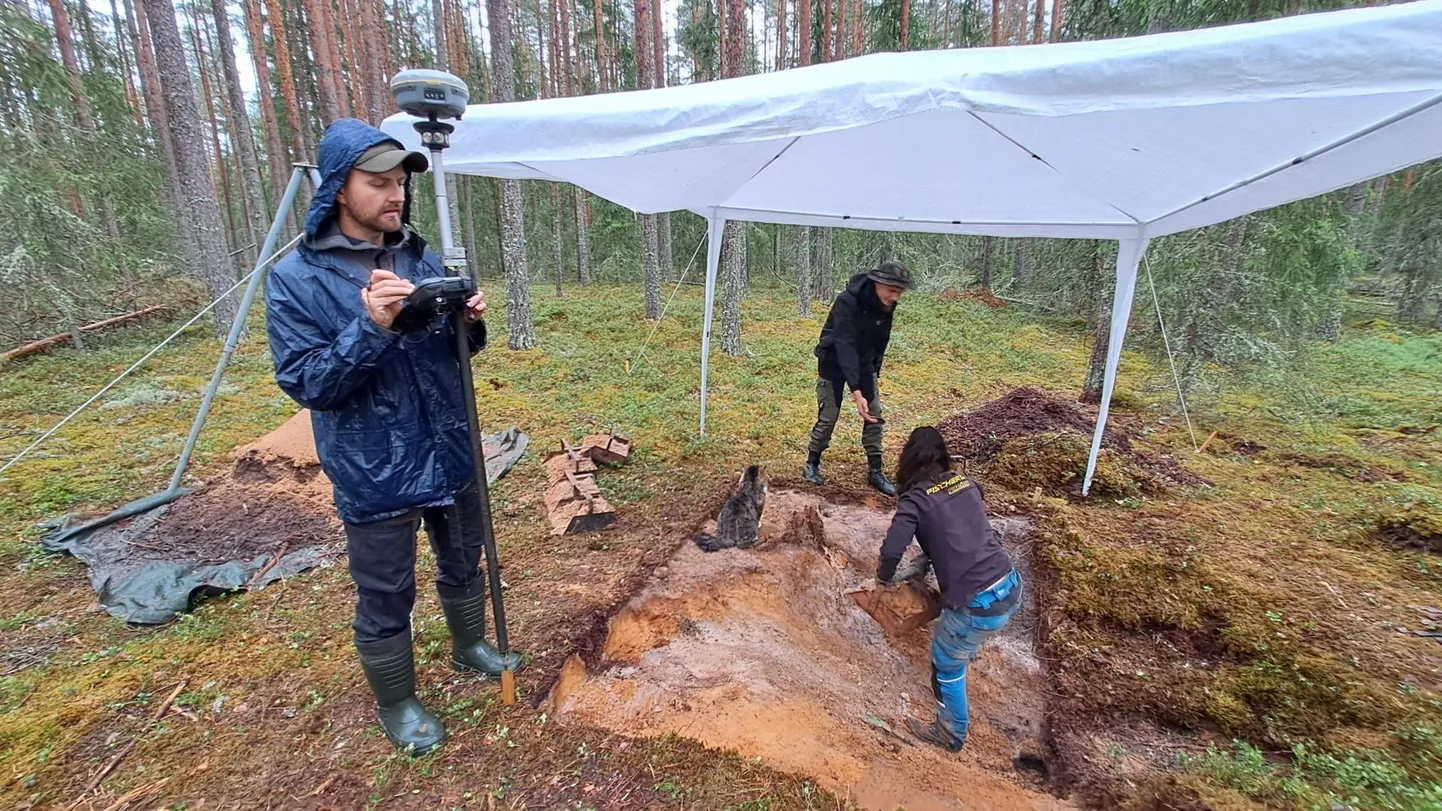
(197, 191)
(658, 46)
(601, 76)
(132, 95)
(512, 203)
(995, 22)
(375, 46)
(280, 43)
(803, 271)
(1103, 282)
(824, 263)
(228, 215)
(826, 40)
(65, 38)
(1036, 34)
(154, 95)
(583, 237)
(559, 255)
(259, 221)
(322, 32)
(733, 282)
(723, 49)
(905, 24)
(781, 34)
(1057, 9)
(663, 246)
(277, 160)
(803, 32)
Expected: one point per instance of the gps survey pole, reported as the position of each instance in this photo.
(434, 95)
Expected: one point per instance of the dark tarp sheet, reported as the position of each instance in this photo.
(135, 586)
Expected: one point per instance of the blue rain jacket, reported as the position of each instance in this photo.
(386, 408)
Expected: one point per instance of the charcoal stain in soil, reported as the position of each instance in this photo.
(759, 650)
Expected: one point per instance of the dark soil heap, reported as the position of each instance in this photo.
(1030, 438)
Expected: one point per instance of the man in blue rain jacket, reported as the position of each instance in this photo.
(388, 414)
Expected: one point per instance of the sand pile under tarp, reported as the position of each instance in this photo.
(270, 518)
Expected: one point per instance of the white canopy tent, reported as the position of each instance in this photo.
(1126, 139)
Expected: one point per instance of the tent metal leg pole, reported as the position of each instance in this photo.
(237, 328)
(714, 229)
(1129, 255)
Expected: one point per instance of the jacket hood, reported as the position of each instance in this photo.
(341, 145)
(864, 290)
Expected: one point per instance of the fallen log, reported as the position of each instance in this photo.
(35, 347)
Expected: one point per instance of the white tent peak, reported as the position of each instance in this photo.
(1126, 139)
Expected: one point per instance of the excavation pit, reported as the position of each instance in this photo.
(759, 650)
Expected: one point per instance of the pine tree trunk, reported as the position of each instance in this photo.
(601, 76)
(583, 237)
(803, 32)
(285, 74)
(650, 240)
(159, 117)
(232, 238)
(988, 258)
(557, 249)
(571, 86)
(781, 34)
(512, 203)
(663, 244)
(132, 94)
(198, 194)
(1058, 7)
(995, 22)
(658, 46)
(65, 38)
(240, 119)
(825, 261)
(803, 271)
(276, 158)
(905, 24)
(375, 46)
(1103, 283)
(826, 41)
(322, 33)
(1036, 34)
(733, 280)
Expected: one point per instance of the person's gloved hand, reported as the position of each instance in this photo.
(886, 571)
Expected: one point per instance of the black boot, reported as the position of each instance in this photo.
(465, 611)
(811, 471)
(933, 734)
(876, 477)
(390, 667)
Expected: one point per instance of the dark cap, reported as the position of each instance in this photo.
(386, 156)
(894, 274)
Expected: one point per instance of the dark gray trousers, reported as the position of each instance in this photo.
(382, 557)
(829, 399)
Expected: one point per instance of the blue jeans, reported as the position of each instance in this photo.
(959, 635)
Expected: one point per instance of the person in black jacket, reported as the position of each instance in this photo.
(849, 355)
(980, 590)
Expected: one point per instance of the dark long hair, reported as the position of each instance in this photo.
(924, 457)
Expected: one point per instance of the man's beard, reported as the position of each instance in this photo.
(387, 222)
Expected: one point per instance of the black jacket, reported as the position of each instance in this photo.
(855, 337)
(948, 519)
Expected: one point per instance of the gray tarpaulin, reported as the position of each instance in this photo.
(139, 580)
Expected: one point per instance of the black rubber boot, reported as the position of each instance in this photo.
(933, 734)
(465, 611)
(811, 471)
(876, 477)
(390, 667)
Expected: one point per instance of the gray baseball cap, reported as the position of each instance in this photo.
(894, 274)
(386, 156)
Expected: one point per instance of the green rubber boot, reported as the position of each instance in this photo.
(390, 667)
(465, 611)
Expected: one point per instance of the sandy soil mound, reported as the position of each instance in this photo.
(760, 651)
